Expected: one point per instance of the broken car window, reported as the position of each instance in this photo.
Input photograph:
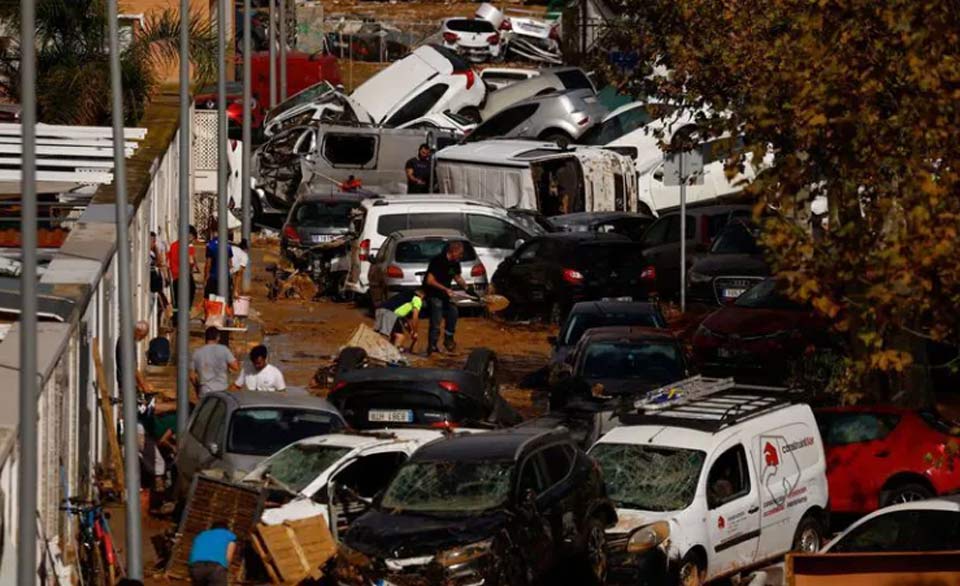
(447, 487)
(649, 478)
(298, 465)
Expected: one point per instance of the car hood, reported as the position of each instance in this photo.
(746, 322)
(745, 265)
(395, 536)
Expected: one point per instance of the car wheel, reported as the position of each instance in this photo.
(471, 113)
(561, 139)
(351, 358)
(693, 570)
(483, 363)
(596, 552)
(809, 535)
(905, 493)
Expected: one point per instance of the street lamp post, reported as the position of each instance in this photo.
(247, 134)
(183, 224)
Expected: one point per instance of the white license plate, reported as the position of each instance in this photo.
(390, 415)
(733, 293)
(323, 237)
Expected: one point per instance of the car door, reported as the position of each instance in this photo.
(493, 238)
(375, 276)
(534, 537)
(520, 269)
(191, 450)
(733, 515)
(355, 483)
(214, 444)
(560, 501)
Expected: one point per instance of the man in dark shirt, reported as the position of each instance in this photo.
(441, 272)
(418, 171)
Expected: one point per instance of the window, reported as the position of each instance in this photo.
(729, 478)
(200, 421)
(387, 225)
(578, 323)
(529, 252)
(417, 106)
(616, 127)
(840, 429)
(349, 150)
(306, 143)
(471, 25)
(533, 476)
(673, 232)
(368, 475)
(263, 431)
(737, 238)
(451, 221)
(558, 460)
(911, 530)
(490, 232)
(504, 76)
(213, 434)
(423, 251)
(575, 79)
(657, 233)
(503, 123)
(324, 214)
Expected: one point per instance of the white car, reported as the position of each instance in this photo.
(927, 525)
(430, 79)
(711, 479)
(475, 39)
(346, 470)
(497, 78)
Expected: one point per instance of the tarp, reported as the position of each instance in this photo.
(507, 186)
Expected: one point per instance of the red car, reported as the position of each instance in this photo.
(880, 455)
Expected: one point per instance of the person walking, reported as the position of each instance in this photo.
(442, 271)
(173, 261)
(418, 171)
(211, 274)
(211, 554)
(263, 376)
(211, 364)
(399, 316)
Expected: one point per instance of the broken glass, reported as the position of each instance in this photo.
(447, 487)
(300, 464)
(649, 478)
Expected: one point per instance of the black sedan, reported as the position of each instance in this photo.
(734, 264)
(378, 397)
(500, 509)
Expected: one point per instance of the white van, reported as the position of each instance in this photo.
(711, 478)
(493, 230)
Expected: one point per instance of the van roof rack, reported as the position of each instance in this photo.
(706, 404)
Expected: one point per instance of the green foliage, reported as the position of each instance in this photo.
(860, 100)
(73, 67)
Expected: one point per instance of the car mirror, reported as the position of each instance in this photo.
(214, 448)
(518, 243)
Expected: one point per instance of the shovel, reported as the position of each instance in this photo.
(492, 303)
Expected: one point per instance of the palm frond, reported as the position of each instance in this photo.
(158, 43)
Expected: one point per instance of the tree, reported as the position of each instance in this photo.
(860, 101)
(73, 67)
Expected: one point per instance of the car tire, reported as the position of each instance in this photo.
(905, 493)
(558, 137)
(471, 113)
(692, 570)
(483, 363)
(810, 535)
(595, 554)
(350, 358)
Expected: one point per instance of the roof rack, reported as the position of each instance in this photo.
(706, 404)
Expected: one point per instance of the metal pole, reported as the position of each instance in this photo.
(183, 261)
(223, 271)
(247, 134)
(273, 57)
(27, 477)
(283, 50)
(131, 460)
(683, 233)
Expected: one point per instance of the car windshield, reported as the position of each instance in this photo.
(262, 431)
(616, 127)
(324, 214)
(649, 478)
(471, 25)
(764, 295)
(904, 530)
(655, 362)
(311, 94)
(423, 251)
(581, 322)
(736, 238)
(298, 465)
(448, 487)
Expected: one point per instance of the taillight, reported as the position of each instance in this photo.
(290, 233)
(572, 276)
(450, 37)
(365, 250)
(394, 272)
(584, 121)
(478, 270)
(555, 33)
(506, 25)
(443, 425)
(338, 386)
(470, 76)
(649, 273)
(449, 386)
(494, 39)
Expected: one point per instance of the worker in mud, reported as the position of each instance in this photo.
(418, 171)
(399, 317)
(443, 270)
(211, 554)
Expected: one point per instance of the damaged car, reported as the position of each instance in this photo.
(476, 39)
(503, 508)
(524, 34)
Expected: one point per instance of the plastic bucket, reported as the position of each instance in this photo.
(241, 306)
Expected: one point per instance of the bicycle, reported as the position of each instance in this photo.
(98, 559)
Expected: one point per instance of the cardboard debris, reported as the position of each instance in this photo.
(378, 347)
(295, 550)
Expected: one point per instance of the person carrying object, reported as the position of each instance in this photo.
(443, 270)
(399, 316)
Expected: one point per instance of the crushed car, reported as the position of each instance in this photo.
(499, 508)
(525, 34)
(365, 39)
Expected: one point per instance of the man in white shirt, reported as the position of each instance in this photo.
(239, 263)
(263, 377)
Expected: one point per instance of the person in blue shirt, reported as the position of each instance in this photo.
(211, 275)
(211, 554)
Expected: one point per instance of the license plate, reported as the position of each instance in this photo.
(390, 415)
(323, 237)
(733, 293)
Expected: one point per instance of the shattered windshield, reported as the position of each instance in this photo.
(298, 465)
(657, 362)
(649, 478)
(446, 487)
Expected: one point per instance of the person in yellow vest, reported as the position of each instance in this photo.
(399, 317)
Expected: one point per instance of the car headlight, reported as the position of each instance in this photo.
(695, 278)
(464, 554)
(646, 538)
(352, 556)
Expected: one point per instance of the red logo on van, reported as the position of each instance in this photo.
(770, 455)
(721, 523)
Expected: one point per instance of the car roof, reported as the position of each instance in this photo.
(507, 444)
(709, 209)
(627, 333)
(945, 503)
(347, 197)
(416, 199)
(589, 217)
(424, 233)
(289, 398)
(587, 236)
(640, 307)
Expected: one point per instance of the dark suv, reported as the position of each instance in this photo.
(552, 272)
(499, 508)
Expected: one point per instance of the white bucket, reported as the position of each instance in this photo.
(241, 306)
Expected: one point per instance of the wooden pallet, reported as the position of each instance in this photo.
(296, 550)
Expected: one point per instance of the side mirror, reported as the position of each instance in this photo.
(658, 175)
(519, 242)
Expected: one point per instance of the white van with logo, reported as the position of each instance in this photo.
(711, 478)
(495, 232)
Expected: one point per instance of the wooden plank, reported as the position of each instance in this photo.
(315, 541)
(265, 558)
(280, 543)
(106, 409)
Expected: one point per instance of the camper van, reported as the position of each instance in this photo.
(541, 176)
